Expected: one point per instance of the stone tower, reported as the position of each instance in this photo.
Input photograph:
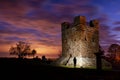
(81, 41)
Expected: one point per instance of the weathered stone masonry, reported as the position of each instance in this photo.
(81, 41)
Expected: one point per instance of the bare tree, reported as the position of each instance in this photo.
(22, 49)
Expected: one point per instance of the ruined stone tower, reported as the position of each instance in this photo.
(81, 41)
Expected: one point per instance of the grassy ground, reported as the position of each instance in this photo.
(36, 70)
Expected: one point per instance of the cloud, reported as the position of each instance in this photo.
(117, 28)
(117, 23)
(39, 22)
(67, 12)
(103, 18)
(106, 38)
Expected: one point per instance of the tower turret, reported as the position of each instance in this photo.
(80, 20)
(65, 25)
(94, 23)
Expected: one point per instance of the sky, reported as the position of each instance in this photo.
(39, 22)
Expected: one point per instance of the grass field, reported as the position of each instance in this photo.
(36, 70)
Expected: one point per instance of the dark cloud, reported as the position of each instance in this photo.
(106, 38)
(103, 18)
(67, 12)
(5, 42)
(117, 23)
(39, 21)
(116, 28)
(17, 9)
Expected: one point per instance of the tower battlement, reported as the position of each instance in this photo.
(80, 20)
(80, 24)
(65, 25)
(94, 23)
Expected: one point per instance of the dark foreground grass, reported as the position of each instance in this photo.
(19, 69)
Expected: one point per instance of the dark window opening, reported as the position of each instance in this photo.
(93, 40)
(85, 39)
(74, 39)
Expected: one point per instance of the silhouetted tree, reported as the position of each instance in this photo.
(33, 52)
(22, 49)
(114, 53)
(44, 59)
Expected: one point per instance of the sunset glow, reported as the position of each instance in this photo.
(39, 22)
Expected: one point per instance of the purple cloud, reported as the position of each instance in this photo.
(39, 21)
(106, 38)
(116, 28)
(117, 23)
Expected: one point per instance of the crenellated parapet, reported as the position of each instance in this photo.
(80, 24)
(79, 20)
(94, 23)
(65, 25)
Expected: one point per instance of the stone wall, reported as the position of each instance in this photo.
(81, 41)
